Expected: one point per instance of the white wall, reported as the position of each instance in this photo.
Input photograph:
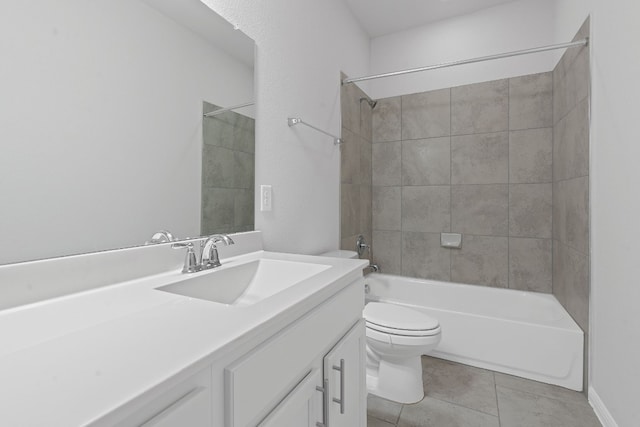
(512, 26)
(301, 48)
(568, 16)
(100, 124)
(615, 205)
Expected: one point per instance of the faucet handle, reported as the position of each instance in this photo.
(162, 236)
(191, 264)
(210, 257)
(361, 246)
(222, 238)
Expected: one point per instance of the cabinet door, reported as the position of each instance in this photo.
(302, 406)
(344, 368)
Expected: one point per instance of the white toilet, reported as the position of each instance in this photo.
(397, 336)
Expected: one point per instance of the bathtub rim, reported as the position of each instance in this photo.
(568, 323)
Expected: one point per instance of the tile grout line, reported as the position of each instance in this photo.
(508, 197)
(570, 179)
(564, 402)
(553, 177)
(495, 389)
(401, 191)
(465, 134)
(501, 236)
(399, 415)
(450, 180)
(461, 406)
(578, 251)
(570, 110)
(378, 418)
(486, 184)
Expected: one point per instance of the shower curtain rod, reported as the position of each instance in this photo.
(224, 110)
(583, 42)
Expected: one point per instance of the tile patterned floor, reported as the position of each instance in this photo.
(457, 395)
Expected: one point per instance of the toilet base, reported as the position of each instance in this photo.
(397, 380)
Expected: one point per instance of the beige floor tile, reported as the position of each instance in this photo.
(436, 413)
(520, 409)
(541, 389)
(374, 422)
(383, 409)
(463, 385)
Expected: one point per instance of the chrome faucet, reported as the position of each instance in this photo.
(373, 268)
(361, 246)
(209, 257)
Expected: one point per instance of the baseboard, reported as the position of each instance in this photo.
(601, 410)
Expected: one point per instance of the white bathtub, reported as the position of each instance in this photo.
(519, 333)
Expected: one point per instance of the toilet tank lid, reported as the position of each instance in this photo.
(398, 317)
(341, 254)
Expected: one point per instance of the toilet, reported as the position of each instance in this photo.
(397, 336)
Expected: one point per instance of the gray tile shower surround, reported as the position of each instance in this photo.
(515, 155)
(476, 160)
(571, 184)
(356, 192)
(463, 396)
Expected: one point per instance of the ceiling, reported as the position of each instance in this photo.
(380, 17)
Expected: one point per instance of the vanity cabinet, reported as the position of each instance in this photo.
(308, 370)
(312, 370)
(293, 355)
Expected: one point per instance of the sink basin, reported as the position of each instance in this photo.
(245, 284)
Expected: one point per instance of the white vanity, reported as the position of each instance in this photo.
(285, 350)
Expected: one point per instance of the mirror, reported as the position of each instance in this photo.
(101, 120)
(228, 164)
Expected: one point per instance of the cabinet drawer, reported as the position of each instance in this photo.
(185, 403)
(193, 410)
(258, 381)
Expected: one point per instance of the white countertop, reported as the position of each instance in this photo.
(71, 360)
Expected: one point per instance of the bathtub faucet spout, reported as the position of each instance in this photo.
(373, 268)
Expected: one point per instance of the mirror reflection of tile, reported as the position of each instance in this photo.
(228, 159)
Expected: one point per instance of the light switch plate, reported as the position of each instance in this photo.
(266, 197)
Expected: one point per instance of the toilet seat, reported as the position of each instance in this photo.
(404, 340)
(399, 320)
(403, 332)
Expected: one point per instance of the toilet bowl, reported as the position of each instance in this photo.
(396, 338)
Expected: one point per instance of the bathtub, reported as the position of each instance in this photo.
(526, 334)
